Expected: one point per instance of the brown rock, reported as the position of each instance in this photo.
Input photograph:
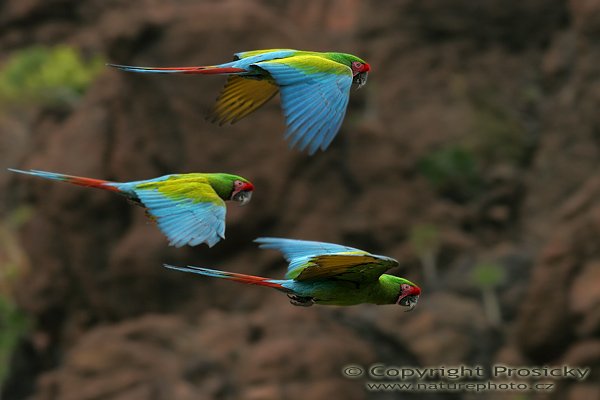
(586, 15)
(443, 332)
(219, 355)
(585, 353)
(584, 391)
(437, 67)
(585, 299)
(543, 324)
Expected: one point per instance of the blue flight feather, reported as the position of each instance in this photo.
(185, 221)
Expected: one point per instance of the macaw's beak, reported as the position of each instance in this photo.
(243, 195)
(360, 79)
(412, 303)
(410, 296)
(409, 301)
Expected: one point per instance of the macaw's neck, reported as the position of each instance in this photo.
(387, 291)
(222, 184)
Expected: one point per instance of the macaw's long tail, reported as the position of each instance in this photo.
(232, 276)
(76, 180)
(206, 70)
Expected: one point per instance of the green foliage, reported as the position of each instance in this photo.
(488, 275)
(13, 324)
(424, 239)
(19, 216)
(497, 133)
(453, 171)
(48, 76)
(13, 263)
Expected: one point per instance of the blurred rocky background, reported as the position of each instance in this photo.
(471, 156)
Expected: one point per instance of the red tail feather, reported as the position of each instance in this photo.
(91, 182)
(213, 71)
(252, 280)
(76, 180)
(203, 70)
(189, 70)
(232, 276)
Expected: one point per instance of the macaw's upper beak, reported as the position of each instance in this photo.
(360, 79)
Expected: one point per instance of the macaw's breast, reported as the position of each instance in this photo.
(343, 293)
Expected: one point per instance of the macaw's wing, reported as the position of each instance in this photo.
(314, 97)
(240, 97)
(293, 249)
(299, 253)
(187, 211)
(360, 268)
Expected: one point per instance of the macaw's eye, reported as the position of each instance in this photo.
(356, 65)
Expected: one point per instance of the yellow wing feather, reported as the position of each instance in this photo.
(193, 187)
(350, 266)
(240, 97)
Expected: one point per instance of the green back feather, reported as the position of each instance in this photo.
(343, 58)
(197, 186)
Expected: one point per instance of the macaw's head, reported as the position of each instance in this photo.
(232, 187)
(409, 294)
(360, 72)
(360, 69)
(241, 191)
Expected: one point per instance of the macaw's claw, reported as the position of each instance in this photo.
(301, 301)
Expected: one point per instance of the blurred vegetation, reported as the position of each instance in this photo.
(13, 325)
(425, 241)
(13, 264)
(497, 132)
(47, 76)
(488, 276)
(453, 171)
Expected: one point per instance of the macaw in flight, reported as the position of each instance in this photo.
(314, 86)
(330, 274)
(188, 208)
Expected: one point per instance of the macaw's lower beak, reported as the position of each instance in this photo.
(412, 305)
(360, 79)
(243, 197)
(409, 301)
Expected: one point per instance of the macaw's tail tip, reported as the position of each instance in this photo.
(128, 68)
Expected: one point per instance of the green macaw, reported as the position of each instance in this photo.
(314, 86)
(328, 274)
(188, 208)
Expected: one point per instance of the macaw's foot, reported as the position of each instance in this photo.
(301, 301)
